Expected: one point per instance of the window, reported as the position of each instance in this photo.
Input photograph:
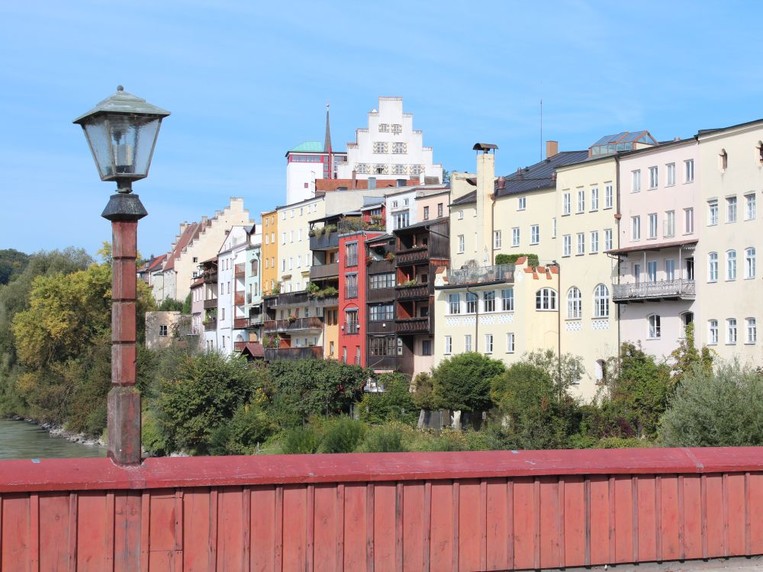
(652, 225)
(751, 329)
(496, 239)
(567, 245)
(654, 326)
(654, 177)
(581, 243)
(351, 254)
(670, 269)
(426, 213)
(670, 224)
(712, 212)
(454, 303)
(401, 219)
(521, 203)
(635, 227)
(601, 301)
(581, 200)
(448, 345)
(534, 234)
(750, 208)
(426, 347)
(566, 203)
(594, 241)
(510, 342)
(507, 299)
(689, 220)
(163, 330)
(651, 271)
(461, 243)
(440, 210)
(670, 174)
(749, 262)
(594, 198)
(383, 127)
(351, 286)
(731, 209)
(712, 267)
(377, 281)
(723, 160)
(471, 303)
(574, 304)
(468, 343)
(553, 227)
(381, 313)
(515, 236)
(380, 147)
(607, 239)
(636, 181)
(731, 331)
(712, 332)
(283, 238)
(397, 129)
(399, 148)
(608, 197)
(382, 346)
(489, 298)
(545, 299)
(689, 171)
(731, 265)
(351, 322)
(488, 343)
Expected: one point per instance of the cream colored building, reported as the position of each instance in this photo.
(196, 243)
(730, 175)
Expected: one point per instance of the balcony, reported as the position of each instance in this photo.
(382, 362)
(292, 325)
(239, 299)
(210, 325)
(380, 294)
(501, 273)
(323, 271)
(210, 276)
(412, 325)
(255, 321)
(240, 270)
(659, 290)
(311, 352)
(325, 241)
(380, 266)
(351, 327)
(212, 303)
(412, 292)
(412, 256)
(240, 323)
(385, 327)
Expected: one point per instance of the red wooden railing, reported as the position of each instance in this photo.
(410, 511)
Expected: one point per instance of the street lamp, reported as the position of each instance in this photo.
(121, 131)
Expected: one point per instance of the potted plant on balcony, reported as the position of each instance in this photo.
(292, 318)
(410, 283)
(389, 257)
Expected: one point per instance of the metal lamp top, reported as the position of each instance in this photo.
(123, 103)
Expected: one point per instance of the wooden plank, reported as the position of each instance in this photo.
(230, 526)
(263, 529)
(294, 515)
(549, 545)
(670, 519)
(574, 521)
(714, 520)
(622, 523)
(385, 527)
(415, 526)
(326, 517)
(469, 544)
(524, 522)
(599, 519)
(197, 524)
(498, 537)
(755, 506)
(354, 527)
(736, 514)
(15, 531)
(647, 520)
(91, 532)
(127, 530)
(441, 527)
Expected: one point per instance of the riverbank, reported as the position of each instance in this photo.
(24, 439)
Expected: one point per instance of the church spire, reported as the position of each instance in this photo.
(327, 140)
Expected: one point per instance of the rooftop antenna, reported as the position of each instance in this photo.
(541, 129)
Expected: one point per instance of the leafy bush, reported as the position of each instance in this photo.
(249, 427)
(462, 382)
(342, 435)
(300, 441)
(384, 439)
(715, 409)
(395, 403)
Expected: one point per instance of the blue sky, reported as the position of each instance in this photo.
(246, 81)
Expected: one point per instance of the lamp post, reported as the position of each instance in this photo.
(121, 131)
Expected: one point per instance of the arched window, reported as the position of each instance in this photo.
(731, 265)
(601, 301)
(712, 267)
(574, 304)
(545, 299)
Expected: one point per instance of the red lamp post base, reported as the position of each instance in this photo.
(124, 425)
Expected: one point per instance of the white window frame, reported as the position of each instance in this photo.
(712, 332)
(751, 330)
(566, 203)
(574, 303)
(750, 206)
(510, 342)
(594, 198)
(594, 242)
(448, 349)
(731, 265)
(601, 301)
(515, 236)
(750, 262)
(712, 267)
(567, 245)
(534, 234)
(636, 180)
(654, 327)
(608, 196)
(670, 174)
(654, 177)
(731, 331)
(580, 243)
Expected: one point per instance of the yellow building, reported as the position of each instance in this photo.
(269, 251)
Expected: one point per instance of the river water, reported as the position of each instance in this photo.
(22, 440)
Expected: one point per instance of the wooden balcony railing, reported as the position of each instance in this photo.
(412, 292)
(210, 303)
(311, 352)
(312, 323)
(412, 325)
(323, 271)
(412, 256)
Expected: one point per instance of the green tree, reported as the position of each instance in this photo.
(686, 357)
(637, 393)
(171, 305)
(12, 263)
(203, 394)
(395, 403)
(462, 382)
(299, 389)
(534, 414)
(715, 409)
(563, 372)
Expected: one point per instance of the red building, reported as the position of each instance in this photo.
(352, 296)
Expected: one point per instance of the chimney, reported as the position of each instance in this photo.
(552, 148)
(354, 179)
(485, 190)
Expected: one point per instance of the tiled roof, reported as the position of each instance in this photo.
(190, 232)
(541, 175)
